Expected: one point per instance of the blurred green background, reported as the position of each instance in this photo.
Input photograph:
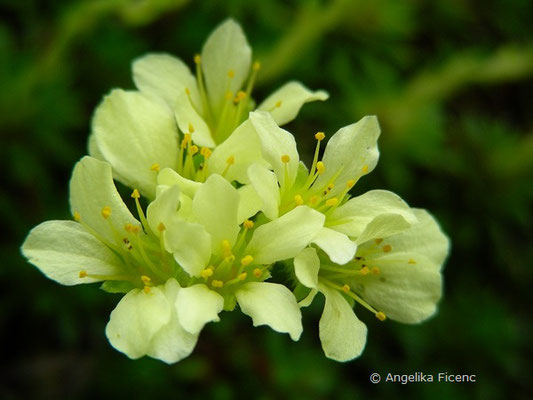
(451, 83)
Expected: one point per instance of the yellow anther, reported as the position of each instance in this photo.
(258, 273)
(298, 200)
(231, 74)
(320, 136)
(230, 258)
(350, 183)
(313, 200)
(155, 167)
(128, 227)
(278, 104)
(206, 273)
(226, 249)
(193, 149)
(146, 279)
(381, 316)
(197, 59)
(161, 227)
(241, 95)
(186, 140)
(77, 216)
(378, 240)
(320, 167)
(365, 169)
(217, 283)
(411, 261)
(146, 289)
(248, 224)
(256, 66)
(187, 91)
(242, 276)
(375, 270)
(247, 260)
(365, 271)
(135, 194)
(106, 212)
(330, 186)
(83, 273)
(191, 128)
(346, 289)
(135, 228)
(206, 152)
(285, 158)
(387, 248)
(230, 160)
(332, 202)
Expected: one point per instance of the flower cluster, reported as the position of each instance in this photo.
(229, 201)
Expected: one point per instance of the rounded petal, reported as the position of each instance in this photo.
(164, 77)
(336, 245)
(226, 49)
(306, 267)
(271, 304)
(187, 116)
(249, 203)
(425, 237)
(61, 249)
(276, 145)
(190, 244)
(134, 132)
(164, 208)
(286, 236)
(91, 189)
(358, 214)
(353, 151)
(245, 148)
(215, 206)
(169, 177)
(406, 290)
(265, 184)
(136, 319)
(285, 103)
(196, 306)
(342, 335)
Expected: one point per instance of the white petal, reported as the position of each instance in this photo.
(169, 177)
(187, 117)
(342, 335)
(306, 267)
(225, 49)
(92, 189)
(136, 319)
(276, 143)
(424, 238)
(215, 206)
(163, 208)
(163, 76)
(337, 246)
(306, 302)
(245, 148)
(404, 291)
(353, 151)
(249, 203)
(353, 217)
(133, 133)
(273, 305)
(265, 184)
(197, 305)
(290, 97)
(61, 249)
(172, 343)
(190, 245)
(286, 236)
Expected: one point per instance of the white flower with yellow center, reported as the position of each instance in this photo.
(233, 256)
(158, 316)
(175, 119)
(396, 277)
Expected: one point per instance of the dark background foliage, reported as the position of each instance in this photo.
(451, 83)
